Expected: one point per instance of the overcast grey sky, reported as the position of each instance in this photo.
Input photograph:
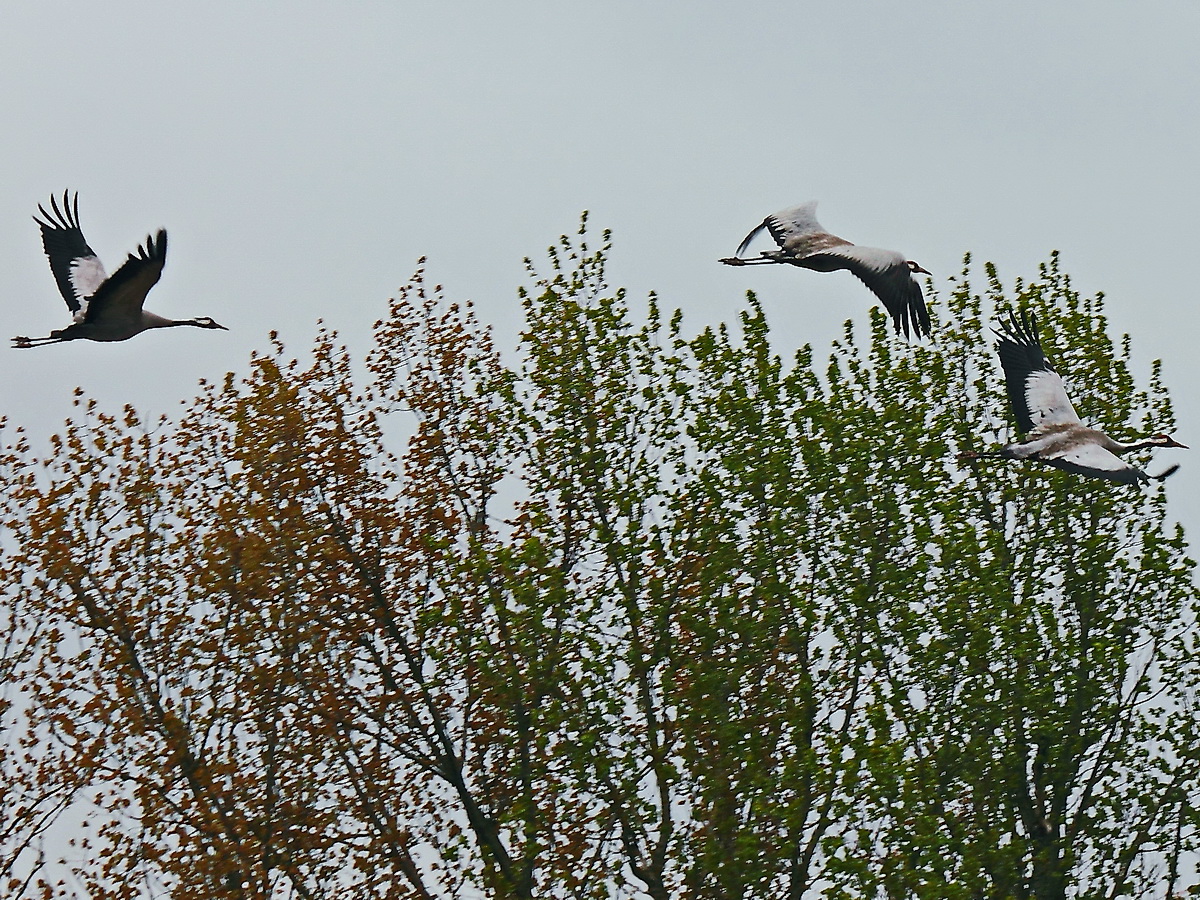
(304, 155)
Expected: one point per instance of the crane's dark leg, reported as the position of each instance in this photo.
(738, 261)
(973, 456)
(24, 343)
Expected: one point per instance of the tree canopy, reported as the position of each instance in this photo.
(640, 614)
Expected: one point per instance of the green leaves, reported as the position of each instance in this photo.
(636, 614)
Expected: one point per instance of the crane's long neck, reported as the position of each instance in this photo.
(1142, 444)
(150, 320)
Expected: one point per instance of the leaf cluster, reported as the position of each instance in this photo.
(642, 615)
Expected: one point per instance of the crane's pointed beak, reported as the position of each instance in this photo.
(1175, 443)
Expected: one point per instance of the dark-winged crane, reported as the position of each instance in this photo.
(1054, 433)
(804, 243)
(105, 308)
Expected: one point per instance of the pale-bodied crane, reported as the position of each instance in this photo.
(105, 308)
(1054, 433)
(804, 243)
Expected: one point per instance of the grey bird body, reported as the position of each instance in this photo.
(804, 243)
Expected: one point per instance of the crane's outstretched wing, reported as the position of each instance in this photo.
(123, 294)
(1035, 390)
(887, 274)
(1096, 462)
(796, 231)
(76, 268)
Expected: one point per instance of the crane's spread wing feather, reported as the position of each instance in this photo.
(796, 231)
(1035, 390)
(887, 274)
(1094, 461)
(76, 268)
(793, 225)
(123, 294)
(750, 237)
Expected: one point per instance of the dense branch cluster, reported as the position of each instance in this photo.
(642, 616)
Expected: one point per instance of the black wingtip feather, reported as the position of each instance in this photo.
(1022, 331)
(1166, 473)
(153, 249)
(750, 237)
(918, 311)
(1127, 475)
(56, 219)
(1021, 355)
(909, 313)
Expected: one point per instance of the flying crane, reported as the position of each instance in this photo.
(804, 243)
(1054, 433)
(105, 308)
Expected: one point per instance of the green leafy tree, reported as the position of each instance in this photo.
(1040, 671)
(642, 614)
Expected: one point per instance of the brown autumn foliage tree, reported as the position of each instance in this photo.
(640, 616)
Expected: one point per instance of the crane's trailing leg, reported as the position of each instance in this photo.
(25, 342)
(738, 261)
(973, 456)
